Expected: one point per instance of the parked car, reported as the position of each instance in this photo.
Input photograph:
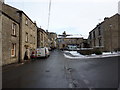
(72, 47)
(43, 52)
(33, 55)
(49, 48)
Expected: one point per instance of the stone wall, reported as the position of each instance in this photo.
(1, 45)
(11, 11)
(111, 33)
(8, 39)
(43, 38)
(109, 29)
(31, 29)
(0, 33)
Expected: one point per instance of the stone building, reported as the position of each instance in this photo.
(85, 44)
(28, 35)
(20, 34)
(52, 40)
(95, 38)
(9, 40)
(106, 34)
(42, 38)
(63, 42)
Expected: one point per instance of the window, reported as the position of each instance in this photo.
(26, 37)
(34, 40)
(99, 31)
(26, 21)
(99, 27)
(30, 25)
(13, 49)
(13, 29)
(90, 36)
(93, 34)
(31, 39)
(99, 41)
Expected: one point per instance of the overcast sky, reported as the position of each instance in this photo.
(72, 16)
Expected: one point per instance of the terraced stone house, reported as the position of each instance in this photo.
(106, 35)
(18, 35)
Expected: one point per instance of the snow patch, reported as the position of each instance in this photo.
(79, 56)
(67, 56)
(75, 53)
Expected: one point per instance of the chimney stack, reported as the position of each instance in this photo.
(106, 18)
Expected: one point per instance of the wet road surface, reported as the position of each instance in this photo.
(60, 72)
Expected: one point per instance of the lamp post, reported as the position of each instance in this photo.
(110, 37)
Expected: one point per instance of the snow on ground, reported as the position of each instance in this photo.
(79, 56)
(75, 53)
(107, 53)
(67, 56)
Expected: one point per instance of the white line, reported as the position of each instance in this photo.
(82, 76)
(71, 85)
(86, 81)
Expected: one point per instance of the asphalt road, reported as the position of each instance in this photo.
(60, 72)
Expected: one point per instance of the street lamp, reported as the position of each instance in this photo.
(111, 37)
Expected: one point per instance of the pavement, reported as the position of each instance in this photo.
(13, 65)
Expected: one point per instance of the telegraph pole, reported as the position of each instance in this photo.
(49, 14)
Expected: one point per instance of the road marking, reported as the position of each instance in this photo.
(83, 76)
(86, 81)
(75, 83)
(71, 85)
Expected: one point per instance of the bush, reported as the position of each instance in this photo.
(98, 52)
(85, 52)
(90, 51)
(117, 49)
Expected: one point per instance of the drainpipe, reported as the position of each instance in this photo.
(1, 33)
(111, 38)
(20, 35)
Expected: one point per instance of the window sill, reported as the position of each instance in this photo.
(13, 56)
(26, 41)
(13, 35)
(26, 24)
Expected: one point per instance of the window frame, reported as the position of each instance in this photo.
(34, 40)
(13, 29)
(99, 30)
(100, 42)
(94, 34)
(13, 50)
(31, 37)
(26, 37)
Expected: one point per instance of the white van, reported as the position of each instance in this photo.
(71, 47)
(43, 52)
